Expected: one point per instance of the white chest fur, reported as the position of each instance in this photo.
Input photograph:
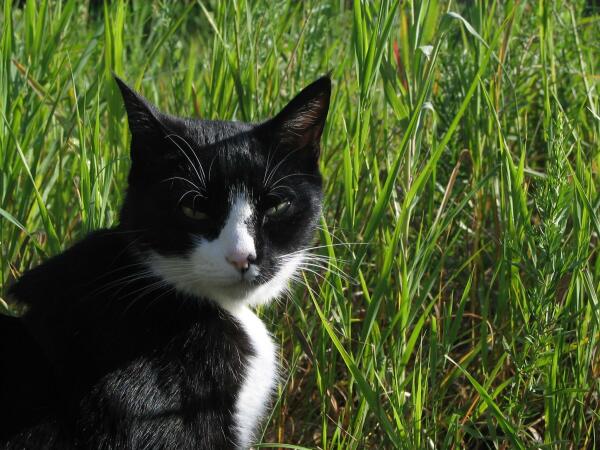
(259, 380)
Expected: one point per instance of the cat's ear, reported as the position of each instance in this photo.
(143, 117)
(150, 146)
(300, 123)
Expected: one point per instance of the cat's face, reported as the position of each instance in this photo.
(224, 210)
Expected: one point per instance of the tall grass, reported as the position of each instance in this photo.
(458, 303)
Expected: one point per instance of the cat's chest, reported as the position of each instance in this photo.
(220, 373)
(259, 380)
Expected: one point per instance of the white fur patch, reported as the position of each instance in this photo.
(235, 238)
(260, 378)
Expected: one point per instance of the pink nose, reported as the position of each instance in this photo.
(240, 261)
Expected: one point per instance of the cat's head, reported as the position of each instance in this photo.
(224, 210)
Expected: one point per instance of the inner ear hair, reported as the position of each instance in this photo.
(308, 120)
(300, 123)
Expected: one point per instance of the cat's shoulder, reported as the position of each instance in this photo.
(75, 266)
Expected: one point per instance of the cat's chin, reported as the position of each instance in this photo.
(238, 290)
(233, 294)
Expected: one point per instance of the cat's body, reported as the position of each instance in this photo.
(142, 336)
(142, 359)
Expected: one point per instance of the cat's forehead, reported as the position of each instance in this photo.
(224, 146)
(224, 158)
(237, 163)
(210, 132)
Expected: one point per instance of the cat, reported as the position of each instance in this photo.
(142, 336)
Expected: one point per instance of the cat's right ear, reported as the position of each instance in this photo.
(143, 117)
(299, 125)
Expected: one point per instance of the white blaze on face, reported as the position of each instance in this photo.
(233, 248)
(236, 242)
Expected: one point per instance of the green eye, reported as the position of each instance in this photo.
(278, 209)
(193, 214)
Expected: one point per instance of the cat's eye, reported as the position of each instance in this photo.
(193, 213)
(278, 209)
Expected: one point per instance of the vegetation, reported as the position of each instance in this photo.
(454, 302)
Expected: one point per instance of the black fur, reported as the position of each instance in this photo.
(109, 356)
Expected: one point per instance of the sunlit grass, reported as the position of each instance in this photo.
(461, 155)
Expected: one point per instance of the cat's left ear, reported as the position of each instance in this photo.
(300, 124)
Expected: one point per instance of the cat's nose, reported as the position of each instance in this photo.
(241, 261)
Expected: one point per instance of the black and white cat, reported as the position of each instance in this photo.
(142, 336)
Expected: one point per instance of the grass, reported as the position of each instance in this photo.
(458, 306)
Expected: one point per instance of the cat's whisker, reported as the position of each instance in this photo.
(117, 269)
(193, 153)
(327, 257)
(168, 291)
(314, 293)
(123, 281)
(130, 245)
(281, 197)
(283, 187)
(331, 231)
(321, 276)
(315, 256)
(183, 179)
(131, 275)
(197, 160)
(317, 247)
(194, 200)
(274, 170)
(161, 282)
(146, 290)
(125, 268)
(324, 262)
(324, 265)
(321, 262)
(267, 166)
(191, 191)
(328, 269)
(200, 178)
(296, 174)
(212, 161)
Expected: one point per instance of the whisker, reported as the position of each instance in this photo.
(182, 179)
(211, 164)
(331, 269)
(193, 153)
(296, 174)
(191, 191)
(200, 179)
(313, 256)
(144, 292)
(274, 170)
(123, 281)
(338, 272)
(313, 259)
(310, 288)
(317, 247)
